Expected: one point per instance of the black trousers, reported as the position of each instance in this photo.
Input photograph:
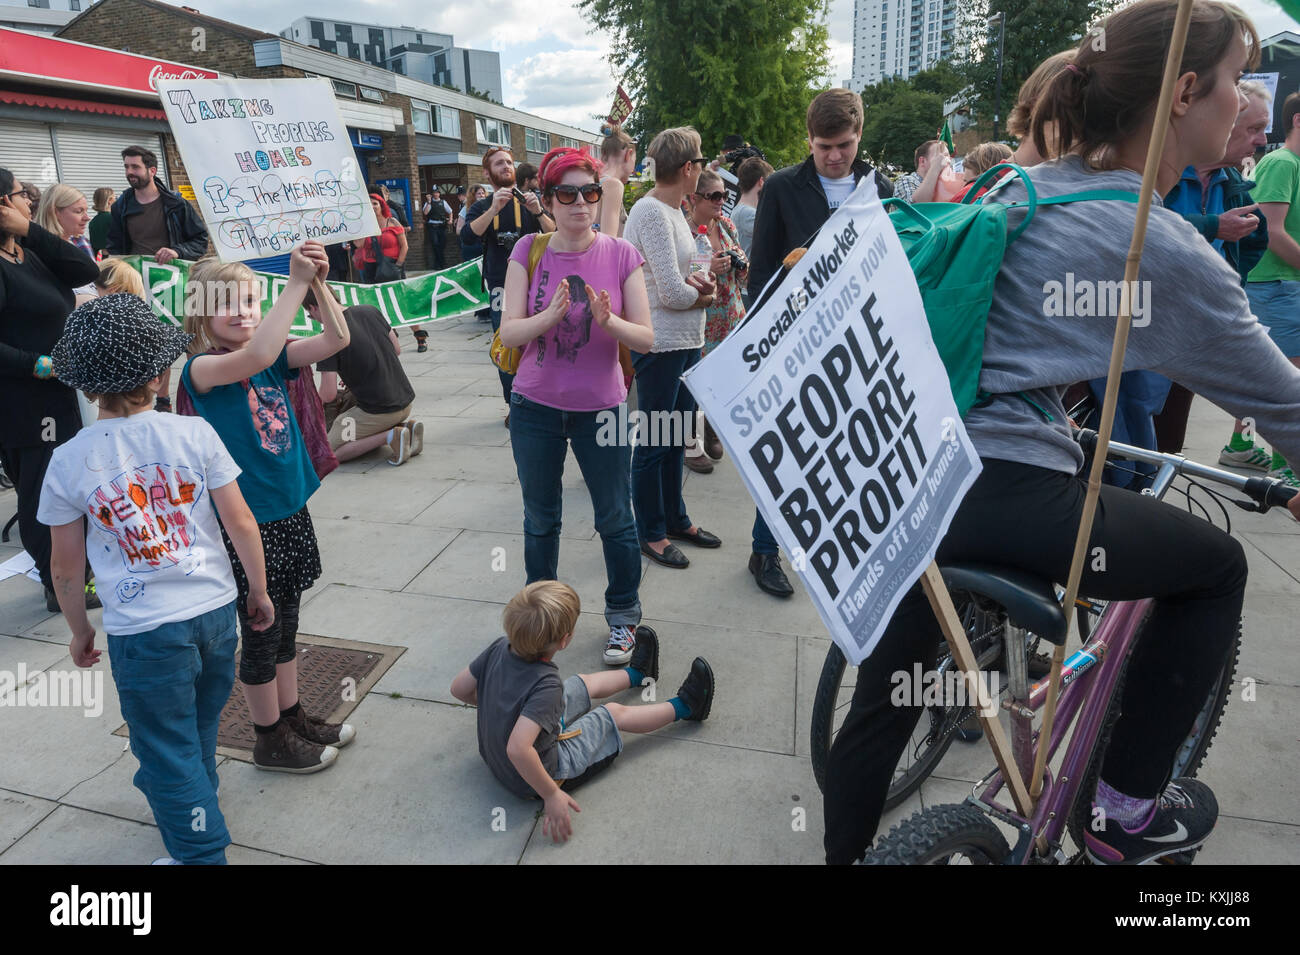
(435, 237)
(26, 468)
(1027, 517)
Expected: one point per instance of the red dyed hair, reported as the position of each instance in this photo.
(564, 159)
(388, 212)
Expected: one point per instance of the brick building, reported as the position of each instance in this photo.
(407, 134)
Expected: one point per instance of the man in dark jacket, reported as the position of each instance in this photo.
(148, 219)
(798, 199)
(794, 204)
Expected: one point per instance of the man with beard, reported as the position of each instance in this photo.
(148, 219)
(498, 222)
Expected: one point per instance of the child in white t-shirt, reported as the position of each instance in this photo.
(135, 492)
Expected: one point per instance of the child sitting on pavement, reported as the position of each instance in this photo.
(539, 735)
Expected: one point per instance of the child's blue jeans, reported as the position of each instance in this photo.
(172, 683)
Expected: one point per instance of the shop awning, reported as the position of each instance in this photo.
(80, 105)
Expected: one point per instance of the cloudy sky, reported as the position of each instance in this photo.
(552, 63)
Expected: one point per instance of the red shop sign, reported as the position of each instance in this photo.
(67, 62)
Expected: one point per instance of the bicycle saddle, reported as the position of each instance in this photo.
(1030, 601)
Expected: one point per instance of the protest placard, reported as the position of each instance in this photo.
(270, 162)
(1270, 83)
(431, 297)
(730, 185)
(836, 408)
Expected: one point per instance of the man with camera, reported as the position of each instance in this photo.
(498, 222)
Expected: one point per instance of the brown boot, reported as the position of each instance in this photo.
(712, 443)
(284, 751)
(318, 731)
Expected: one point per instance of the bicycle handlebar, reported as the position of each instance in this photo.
(1265, 492)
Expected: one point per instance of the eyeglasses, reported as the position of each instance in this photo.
(20, 192)
(568, 195)
(700, 161)
(712, 196)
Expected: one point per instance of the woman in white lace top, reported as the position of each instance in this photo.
(678, 299)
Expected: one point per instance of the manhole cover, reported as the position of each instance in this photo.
(333, 677)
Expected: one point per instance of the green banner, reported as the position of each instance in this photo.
(432, 297)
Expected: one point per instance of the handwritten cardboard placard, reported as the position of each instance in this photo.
(270, 162)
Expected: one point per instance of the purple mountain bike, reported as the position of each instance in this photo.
(1086, 709)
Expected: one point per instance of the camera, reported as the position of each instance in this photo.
(519, 193)
(507, 240)
(738, 262)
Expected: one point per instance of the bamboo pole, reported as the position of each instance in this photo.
(331, 314)
(1149, 173)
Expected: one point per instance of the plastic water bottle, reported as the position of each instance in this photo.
(702, 259)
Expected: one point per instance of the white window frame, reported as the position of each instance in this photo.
(421, 109)
(372, 94)
(446, 121)
(341, 88)
(482, 125)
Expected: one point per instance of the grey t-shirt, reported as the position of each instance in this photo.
(510, 687)
(1192, 321)
(742, 217)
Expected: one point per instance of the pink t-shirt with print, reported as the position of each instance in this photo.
(574, 366)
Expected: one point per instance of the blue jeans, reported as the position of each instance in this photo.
(540, 436)
(1277, 306)
(656, 469)
(507, 380)
(764, 541)
(172, 683)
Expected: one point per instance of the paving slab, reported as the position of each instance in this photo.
(47, 750)
(479, 565)
(489, 506)
(19, 813)
(376, 555)
(394, 497)
(1268, 639)
(410, 789)
(1253, 765)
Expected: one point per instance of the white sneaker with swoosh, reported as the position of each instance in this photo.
(1183, 819)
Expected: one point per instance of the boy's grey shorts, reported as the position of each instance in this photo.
(597, 743)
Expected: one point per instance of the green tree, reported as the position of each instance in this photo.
(896, 126)
(1035, 29)
(723, 66)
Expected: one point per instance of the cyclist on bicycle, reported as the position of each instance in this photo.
(1023, 511)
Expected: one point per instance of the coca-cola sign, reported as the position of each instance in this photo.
(47, 59)
(160, 72)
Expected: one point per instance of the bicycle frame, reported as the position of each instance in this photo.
(1089, 681)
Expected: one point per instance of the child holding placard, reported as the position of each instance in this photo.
(237, 379)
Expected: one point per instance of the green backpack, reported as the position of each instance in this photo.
(955, 250)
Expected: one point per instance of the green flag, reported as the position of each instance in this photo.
(945, 136)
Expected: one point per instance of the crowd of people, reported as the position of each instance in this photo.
(588, 298)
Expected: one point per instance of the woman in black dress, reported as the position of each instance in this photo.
(38, 272)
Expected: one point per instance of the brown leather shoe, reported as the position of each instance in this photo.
(284, 751)
(700, 464)
(712, 443)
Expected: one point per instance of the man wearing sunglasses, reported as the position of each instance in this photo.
(796, 200)
(499, 222)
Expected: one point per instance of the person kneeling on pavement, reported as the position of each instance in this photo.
(540, 735)
(379, 387)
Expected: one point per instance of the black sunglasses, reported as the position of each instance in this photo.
(568, 195)
(712, 196)
(700, 160)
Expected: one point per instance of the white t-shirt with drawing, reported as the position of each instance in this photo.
(152, 536)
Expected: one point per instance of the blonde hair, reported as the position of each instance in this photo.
(115, 276)
(1032, 88)
(211, 283)
(54, 199)
(540, 616)
(985, 156)
(102, 195)
(672, 149)
(1257, 89)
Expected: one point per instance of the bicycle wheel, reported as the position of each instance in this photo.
(1189, 757)
(942, 835)
(937, 726)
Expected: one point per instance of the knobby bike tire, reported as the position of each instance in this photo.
(933, 836)
(1190, 756)
(942, 721)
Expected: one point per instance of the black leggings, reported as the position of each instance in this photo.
(261, 650)
(1027, 517)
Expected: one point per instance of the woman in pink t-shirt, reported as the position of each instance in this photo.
(586, 294)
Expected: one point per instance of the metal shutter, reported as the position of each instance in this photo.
(90, 156)
(27, 152)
